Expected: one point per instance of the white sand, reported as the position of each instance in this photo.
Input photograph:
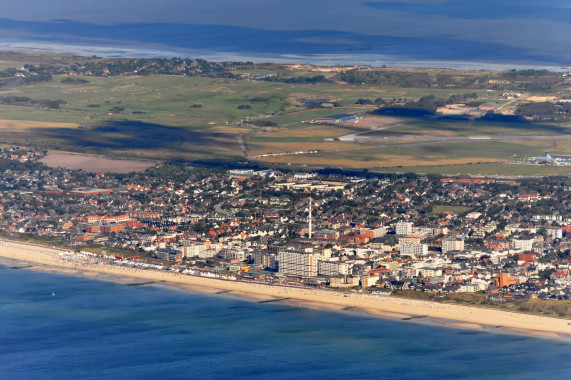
(386, 306)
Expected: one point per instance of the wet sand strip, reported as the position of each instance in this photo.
(414, 317)
(143, 283)
(275, 300)
(24, 267)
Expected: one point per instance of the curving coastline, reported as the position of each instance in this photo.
(384, 306)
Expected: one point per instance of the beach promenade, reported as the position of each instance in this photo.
(53, 260)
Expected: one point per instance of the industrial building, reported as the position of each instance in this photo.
(554, 160)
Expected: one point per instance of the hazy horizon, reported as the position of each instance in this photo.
(528, 32)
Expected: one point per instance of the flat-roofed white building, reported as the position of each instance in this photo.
(452, 244)
(429, 272)
(414, 249)
(297, 263)
(333, 268)
(522, 244)
(267, 260)
(403, 228)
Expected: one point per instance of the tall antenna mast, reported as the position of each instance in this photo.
(309, 217)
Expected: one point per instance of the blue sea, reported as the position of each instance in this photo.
(55, 326)
(429, 33)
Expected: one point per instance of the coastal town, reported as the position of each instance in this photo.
(364, 232)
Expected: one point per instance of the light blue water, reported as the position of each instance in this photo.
(445, 33)
(104, 330)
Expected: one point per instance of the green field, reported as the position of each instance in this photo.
(485, 169)
(439, 209)
(162, 116)
(465, 127)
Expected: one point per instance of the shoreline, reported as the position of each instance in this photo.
(376, 60)
(28, 256)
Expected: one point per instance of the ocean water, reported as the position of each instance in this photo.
(438, 33)
(96, 329)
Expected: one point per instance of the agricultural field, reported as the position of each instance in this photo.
(200, 117)
(94, 164)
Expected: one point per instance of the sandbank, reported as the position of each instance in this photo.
(457, 316)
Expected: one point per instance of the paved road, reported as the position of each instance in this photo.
(240, 140)
(218, 207)
(366, 139)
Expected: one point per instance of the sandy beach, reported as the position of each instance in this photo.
(380, 305)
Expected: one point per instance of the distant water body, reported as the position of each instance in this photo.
(63, 327)
(469, 34)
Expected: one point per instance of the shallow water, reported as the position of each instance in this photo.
(98, 329)
(442, 33)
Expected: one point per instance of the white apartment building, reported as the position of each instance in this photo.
(267, 260)
(333, 268)
(234, 254)
(452, 244)
(522, 244)
(194, 250)
(403, 228)
(298, 263)
(413, 249)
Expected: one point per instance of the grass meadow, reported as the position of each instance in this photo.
(164, 116)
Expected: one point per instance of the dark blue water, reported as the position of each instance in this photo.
(95, 329)
(445, 33)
